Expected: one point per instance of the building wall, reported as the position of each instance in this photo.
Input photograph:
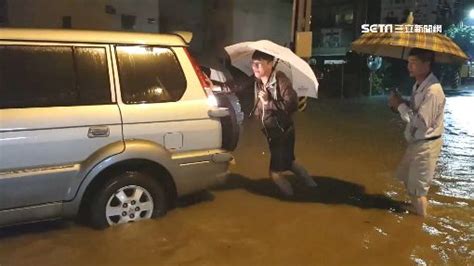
(217, 23)
(426, 11)
(3, 13)
(185, 15)
(263, 19)
(85, 14)
(333, 26)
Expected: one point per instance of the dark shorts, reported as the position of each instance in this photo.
(282, 151)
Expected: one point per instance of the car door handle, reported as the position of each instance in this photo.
(98, 131)
(218, 112)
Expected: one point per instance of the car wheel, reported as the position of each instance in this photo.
(230, 125)
(129, 197)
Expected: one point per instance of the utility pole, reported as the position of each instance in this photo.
(301, 35)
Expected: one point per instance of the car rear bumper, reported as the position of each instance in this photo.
(202, 170)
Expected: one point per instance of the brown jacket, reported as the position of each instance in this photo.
(286, 100)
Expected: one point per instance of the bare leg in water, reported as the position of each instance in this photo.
(301, 172)
(285, 186)
(420, 204)
(282, 183)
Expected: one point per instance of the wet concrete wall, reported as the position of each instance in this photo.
(265, 19)
(216, 24)
(85, 14)
(187, 15)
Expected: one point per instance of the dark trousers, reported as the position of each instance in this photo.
(282, 148)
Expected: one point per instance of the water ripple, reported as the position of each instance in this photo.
(457, 156)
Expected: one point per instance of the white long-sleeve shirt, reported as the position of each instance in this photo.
(425, 115)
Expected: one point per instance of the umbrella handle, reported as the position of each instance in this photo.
(258, 100)
(253, 109)
(275, 65)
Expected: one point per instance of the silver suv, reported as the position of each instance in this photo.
(113, 126)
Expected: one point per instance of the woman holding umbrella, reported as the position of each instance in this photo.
(276, 102)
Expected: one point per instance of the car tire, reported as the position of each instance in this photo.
(230, 125)
(128, 197)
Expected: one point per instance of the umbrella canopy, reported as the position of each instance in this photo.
(300, 73)
(398, 45)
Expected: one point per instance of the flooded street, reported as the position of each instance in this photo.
(351, 148)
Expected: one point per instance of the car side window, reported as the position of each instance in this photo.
(149, 75)
(43, 76)
(92, 75)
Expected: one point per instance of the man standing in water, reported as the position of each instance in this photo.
(424, 115)
(276, 102)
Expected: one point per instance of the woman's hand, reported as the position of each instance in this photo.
(263, 96)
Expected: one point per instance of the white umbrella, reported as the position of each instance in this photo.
(300, 73)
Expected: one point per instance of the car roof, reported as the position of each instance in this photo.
(90, 36)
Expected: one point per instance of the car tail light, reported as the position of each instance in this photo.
(203, 79)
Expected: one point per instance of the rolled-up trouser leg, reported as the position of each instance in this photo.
(301, 172)
(418, 165)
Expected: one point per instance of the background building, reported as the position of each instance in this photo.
(425, 11)
(335, 24)
(3, 13)
(83, 14)
(217, 23)
(214, 23)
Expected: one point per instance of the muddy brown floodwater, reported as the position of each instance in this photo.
(353, 217)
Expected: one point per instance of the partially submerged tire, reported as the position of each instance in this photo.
(230, 125)
(128, 197)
